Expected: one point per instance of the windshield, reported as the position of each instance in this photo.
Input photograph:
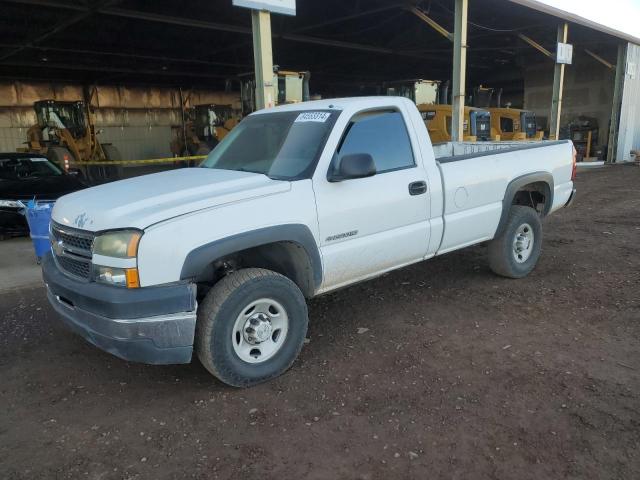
(62, 115)
(23, 168)
(281, 145)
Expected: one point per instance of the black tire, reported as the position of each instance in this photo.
(502, 254)
(218, 313)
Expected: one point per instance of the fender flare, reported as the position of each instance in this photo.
(204, 255)
(515, 185)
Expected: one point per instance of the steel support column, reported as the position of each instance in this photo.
(558, 84)
(459, 69)
(263, 58)
(614, 124)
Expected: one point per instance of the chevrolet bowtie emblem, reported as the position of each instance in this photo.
(57, 247)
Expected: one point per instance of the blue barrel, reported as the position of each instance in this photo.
(38, 218)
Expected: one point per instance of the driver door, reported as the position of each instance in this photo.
(373, 224)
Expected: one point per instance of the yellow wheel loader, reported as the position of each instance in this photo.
(208, 124)
(66, 134)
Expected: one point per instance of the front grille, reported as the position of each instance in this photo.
(80, 243)
(72, 250)
(76, 267)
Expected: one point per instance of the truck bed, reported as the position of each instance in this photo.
(475, 177)
(453, 151)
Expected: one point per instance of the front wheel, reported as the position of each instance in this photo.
(251, 327)
(515, 252)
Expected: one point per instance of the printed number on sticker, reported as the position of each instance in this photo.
(313, 117)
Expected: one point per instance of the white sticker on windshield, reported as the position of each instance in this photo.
(40, 159)
(313, 117)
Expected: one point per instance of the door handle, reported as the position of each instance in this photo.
(417, 188)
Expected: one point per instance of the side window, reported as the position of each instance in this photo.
(381, 134)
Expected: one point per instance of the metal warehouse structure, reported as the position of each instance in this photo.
(146, 57)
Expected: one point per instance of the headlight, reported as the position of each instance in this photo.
(119, 244)
(118, 277)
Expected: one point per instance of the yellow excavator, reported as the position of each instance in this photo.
(65, 133)
(507, 123)
(431, 98)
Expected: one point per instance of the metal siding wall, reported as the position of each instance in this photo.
(138, 143)
(629, 131)
(12, 138)
(137, 121)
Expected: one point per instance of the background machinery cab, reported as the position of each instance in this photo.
(431, 98)
(506, 123)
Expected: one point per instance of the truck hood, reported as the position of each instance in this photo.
(143, 201)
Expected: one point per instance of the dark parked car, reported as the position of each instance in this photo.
(24, 177)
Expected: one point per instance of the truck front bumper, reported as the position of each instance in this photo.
(153, 325)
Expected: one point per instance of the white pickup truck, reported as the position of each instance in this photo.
(296, 201)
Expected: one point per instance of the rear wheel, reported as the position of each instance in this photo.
(251, 327)
(515, 252)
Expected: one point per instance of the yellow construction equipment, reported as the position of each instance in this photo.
(514, 124)
(66, 134)
(438, 118)
(430, 96)
(288, 87)
(207, 125)
(506, 123)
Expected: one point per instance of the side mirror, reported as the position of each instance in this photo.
(355, 165)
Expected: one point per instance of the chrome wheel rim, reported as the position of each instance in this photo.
(260, 330)
(523, 243)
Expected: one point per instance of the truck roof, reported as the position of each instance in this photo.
(347, 103)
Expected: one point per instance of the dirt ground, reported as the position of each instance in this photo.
(459, 374)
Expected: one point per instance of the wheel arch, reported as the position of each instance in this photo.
(290, 250)
(538, 182)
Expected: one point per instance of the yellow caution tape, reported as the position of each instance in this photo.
(141, 162)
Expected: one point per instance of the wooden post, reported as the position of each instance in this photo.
(558, 83)
(459, 69)
(263, 58)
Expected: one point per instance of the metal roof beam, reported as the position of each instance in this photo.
(535, 45)
(431, 22)
(101, 68)
(193, 23)
(51, 4)
(60, 26)
(187, 22)
(350, 17)
(129, 55)
(598, 58)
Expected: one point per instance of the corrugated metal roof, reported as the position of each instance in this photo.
(577, 18)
